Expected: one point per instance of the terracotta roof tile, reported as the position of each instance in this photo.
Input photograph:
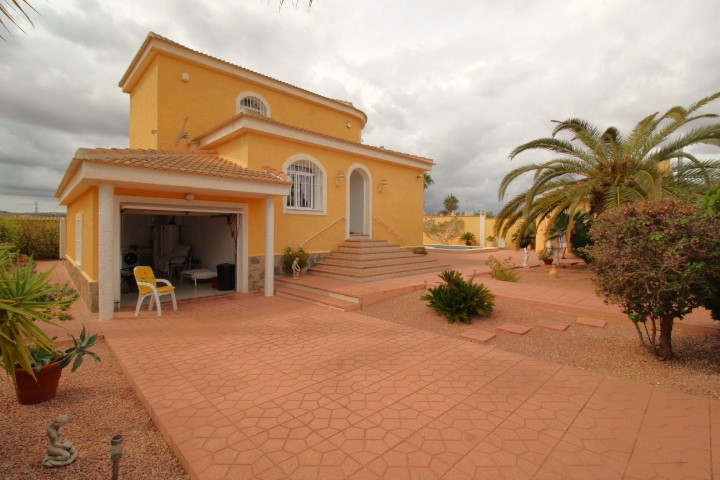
(199, 162)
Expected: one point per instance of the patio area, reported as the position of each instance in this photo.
(247, 386)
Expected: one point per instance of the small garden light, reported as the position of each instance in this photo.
(116, 451)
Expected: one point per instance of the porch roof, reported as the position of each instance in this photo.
(200, 170)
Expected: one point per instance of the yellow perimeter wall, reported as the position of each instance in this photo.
(472, 224)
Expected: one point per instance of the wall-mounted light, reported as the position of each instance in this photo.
(185, 76)
(189, 197)
(384, 184)
(419, 177)
(340, 177)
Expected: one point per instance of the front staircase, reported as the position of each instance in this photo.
(359, 259)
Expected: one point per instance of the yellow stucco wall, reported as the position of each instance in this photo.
(87, 204)
(209, 98)
(397, 209)
(144, 111)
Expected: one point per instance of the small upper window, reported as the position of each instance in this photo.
(253, 103)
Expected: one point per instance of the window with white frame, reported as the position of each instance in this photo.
(253, 103)
(306, 192)
(79, 239)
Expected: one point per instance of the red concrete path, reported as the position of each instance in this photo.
(255, 387)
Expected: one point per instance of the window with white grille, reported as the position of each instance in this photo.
(306, 192)
(253, 103)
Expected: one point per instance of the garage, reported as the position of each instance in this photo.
(185, 247)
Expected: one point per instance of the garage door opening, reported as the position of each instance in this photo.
(183, 247)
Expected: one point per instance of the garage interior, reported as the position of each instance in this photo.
(173, 242)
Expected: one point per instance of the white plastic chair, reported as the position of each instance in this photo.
(147, 287)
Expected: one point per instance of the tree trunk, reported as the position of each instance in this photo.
(664, 350)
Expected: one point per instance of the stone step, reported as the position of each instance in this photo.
(370, 255)
(364, 249)
(365, 267)
(369, 276)
(315, 298)
(299, 285)
(364, 242)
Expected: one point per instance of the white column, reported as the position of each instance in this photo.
(106, 272)
(63, 239)
(483, 217)
(269, 246)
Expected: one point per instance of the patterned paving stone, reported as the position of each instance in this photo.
(517, 329)
(477, 335)
(554, 325)
(289, 391)
(591, 322)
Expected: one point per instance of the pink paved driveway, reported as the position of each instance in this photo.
(267, 388)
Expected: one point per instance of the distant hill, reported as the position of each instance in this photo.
(32, 214)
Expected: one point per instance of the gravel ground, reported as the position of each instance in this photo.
(100, 403)
(613, 350)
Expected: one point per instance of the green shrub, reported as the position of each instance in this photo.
(459, 300)
(35, 237)
(291, 253)
(8, 230)
(502, 270)
(420, 251)
(468, 238)
(659, 261)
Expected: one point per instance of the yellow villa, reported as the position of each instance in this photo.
(236, 165)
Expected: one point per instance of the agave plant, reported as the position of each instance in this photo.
(28, 299)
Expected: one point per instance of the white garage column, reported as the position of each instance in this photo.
(105, 249)
(269, 246)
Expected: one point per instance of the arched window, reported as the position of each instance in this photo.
(253, 103)
(306, 192)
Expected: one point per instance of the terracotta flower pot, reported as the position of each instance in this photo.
(29, 391)
(548, 261)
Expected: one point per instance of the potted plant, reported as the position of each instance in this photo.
(469, 238)
(491, 240)
(546, 256)
(29, 357)
(290, 255)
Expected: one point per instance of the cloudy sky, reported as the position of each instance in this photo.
(462, 82)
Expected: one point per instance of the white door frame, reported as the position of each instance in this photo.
(367, 199)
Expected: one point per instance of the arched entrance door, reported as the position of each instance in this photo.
(359, 203)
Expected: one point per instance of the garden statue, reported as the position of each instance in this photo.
(526, 257)
(553, 272)
(59, 453)
(296, 267)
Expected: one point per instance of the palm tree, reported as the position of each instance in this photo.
(597, 170)
(11, 10)
(427, 180)
(451, 203)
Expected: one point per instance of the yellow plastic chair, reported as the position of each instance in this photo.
(147, 287)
